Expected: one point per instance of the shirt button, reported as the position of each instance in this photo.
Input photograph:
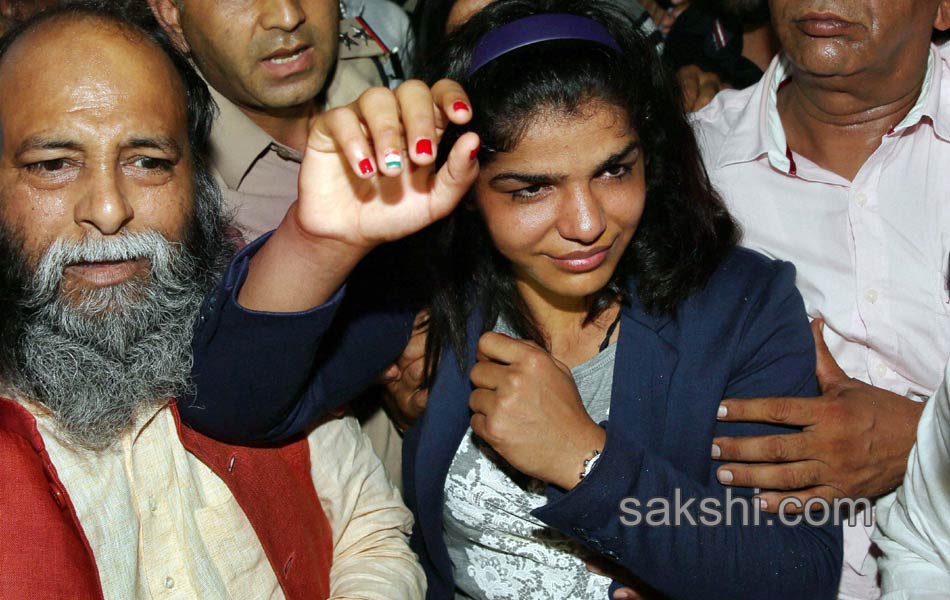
(152, 505)
(881, 369)
(861, 199)
(871, 296)
(169, 583)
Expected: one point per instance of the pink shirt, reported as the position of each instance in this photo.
(872, 254)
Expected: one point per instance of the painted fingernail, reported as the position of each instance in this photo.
(424, 146)
(722, 412)
(474, 154)
(725, 476)
(366, 166)
(392, 160)
(716, 451)
(461, 107)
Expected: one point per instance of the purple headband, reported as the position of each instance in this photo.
(538, 28)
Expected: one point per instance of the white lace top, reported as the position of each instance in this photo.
(498, 549)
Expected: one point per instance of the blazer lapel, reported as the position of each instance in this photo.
(644, 366)
(440, 432)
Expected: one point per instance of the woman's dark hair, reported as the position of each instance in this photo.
(685, 230)
(208, 239)
(429, 20)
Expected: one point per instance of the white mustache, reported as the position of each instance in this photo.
(48, 276)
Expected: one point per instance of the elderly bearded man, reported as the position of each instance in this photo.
(111, 236)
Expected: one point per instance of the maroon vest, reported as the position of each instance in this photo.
(44, 552)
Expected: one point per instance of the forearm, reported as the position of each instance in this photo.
(295, 271)
(914, 523)
(696, 557)
(371, 525)
(262, 377)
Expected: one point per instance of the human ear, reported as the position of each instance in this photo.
(942, 22)
(168, 15)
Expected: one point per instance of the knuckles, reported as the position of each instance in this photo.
(796, 479)
(375, 95)
(779, 410)
(776, 450)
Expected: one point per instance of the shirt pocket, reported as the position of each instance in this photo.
(236, 553)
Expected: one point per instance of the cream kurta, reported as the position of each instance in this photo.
(161, 524)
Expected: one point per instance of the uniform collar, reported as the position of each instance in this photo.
(237, 142)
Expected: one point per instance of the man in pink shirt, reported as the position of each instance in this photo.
(837, 161)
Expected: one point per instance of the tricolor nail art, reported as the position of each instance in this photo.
(392, 160)
(460, 106)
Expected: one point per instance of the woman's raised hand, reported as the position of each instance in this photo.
(368, 174)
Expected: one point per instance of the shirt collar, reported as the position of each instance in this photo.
(237, 142)
(930, 104)
(763, 134)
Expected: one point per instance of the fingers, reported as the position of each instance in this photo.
(826, 369)
(417, 403)
(688, 77)
(415, 350)
(384, 130)
(769, 448)
(479, 424)
(785, 476)
(391, 374)
(379, 109)
(455, 177)
(699, 87)
(482, 401)
(451, 103)
(418, 117)
(488, 375)
(341, 128)
(709, 86)
(801, 412)
(501, 348)
(421, 323)
(405, 403)
(595, 570)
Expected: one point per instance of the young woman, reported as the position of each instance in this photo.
(589, 312)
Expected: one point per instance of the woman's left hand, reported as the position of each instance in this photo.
(528, 409)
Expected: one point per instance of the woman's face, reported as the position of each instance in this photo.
(564, 204)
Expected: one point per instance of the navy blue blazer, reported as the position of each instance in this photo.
(744, 335)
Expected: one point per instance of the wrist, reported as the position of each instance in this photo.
(297, 271)
(587, 450)
(307, 244)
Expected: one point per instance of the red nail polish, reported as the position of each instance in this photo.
(424, 146)
(458, 106)
(474, 154)
(366, 166)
